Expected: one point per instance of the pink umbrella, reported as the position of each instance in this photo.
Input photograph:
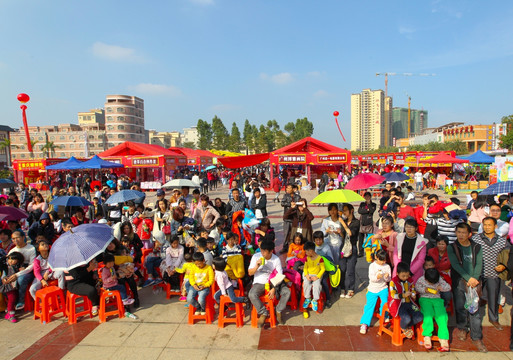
(364, 181)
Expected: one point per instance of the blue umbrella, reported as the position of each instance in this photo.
(6, 183)
(211, 167)
(70, 201)
(396, 176)
(504, 187)
(79, 246)
(124, 195)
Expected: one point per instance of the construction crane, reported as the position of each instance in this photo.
(386, 75)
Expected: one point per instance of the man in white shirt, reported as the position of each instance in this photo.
(195, 179)
(419, 181)
(261, 266)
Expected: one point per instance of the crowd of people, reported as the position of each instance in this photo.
(426, 256)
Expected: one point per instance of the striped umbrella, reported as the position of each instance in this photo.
(504, 187)
(79, 246)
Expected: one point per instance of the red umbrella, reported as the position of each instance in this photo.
(364, 181)
(444, 159)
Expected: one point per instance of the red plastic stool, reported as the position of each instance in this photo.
(72, 305)
(271, 319)
(49, 301)
(239, 312)
(420, 338)
(29, 301)
(114, 298)
(209, 311)
(320, 302)
(293, 297)
(394, 331)
(167, 288)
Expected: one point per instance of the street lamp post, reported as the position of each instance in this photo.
(24, 98)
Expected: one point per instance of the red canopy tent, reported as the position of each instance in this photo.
(444, 159)
(145, 162)
(197, 158)
(314, 155)
(235, 162)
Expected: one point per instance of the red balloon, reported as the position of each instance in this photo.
(335, 113)
(23, 98)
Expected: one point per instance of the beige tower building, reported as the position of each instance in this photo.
(367, 120)
(124, 119)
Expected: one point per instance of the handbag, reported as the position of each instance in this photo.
(347, 249)
(367, 229)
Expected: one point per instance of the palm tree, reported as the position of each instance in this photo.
(33, 143)
(7, 144)
(49, 148)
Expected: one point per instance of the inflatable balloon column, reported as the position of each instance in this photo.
(24, 98)
(335, 114)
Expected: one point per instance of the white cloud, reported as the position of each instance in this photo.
(321, 94)
(116, 53)
(405, 30)
(313, 74)
(224, 107)
(156, 89)
(280, 79)
(202, 2)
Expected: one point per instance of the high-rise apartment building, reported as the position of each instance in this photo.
(418, 122)
(124, 119)
(367, 120)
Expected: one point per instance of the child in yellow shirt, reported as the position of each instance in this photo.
(186, 270)
(312, 274)
(201, 279)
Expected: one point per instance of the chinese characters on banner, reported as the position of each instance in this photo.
(292, 159)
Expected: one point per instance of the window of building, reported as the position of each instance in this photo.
(40, 138)
(121, 127)
(109, 110)
(63, 154)
(81, 146)
(120, 109)
(52, 138)
(110, 127)
(91, 145)
(91, 136)
(71, 146)
(71, 137)
(109, 118)
(110, 136)
(121, 118)
(22, 147)
(121, 136)
(132, 136)
(22, 155)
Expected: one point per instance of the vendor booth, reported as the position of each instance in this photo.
(151, 165)
(415, 159)
(32, 172)
(197, 159)
(309, 158)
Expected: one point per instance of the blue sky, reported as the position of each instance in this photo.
(256, 60)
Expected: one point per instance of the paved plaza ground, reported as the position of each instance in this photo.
(162, 332)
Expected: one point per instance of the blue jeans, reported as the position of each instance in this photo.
(231, 293)
(151, 263)
(121, 289)
(202, 297)
(370, 305)
(23, 283)
(409, 317)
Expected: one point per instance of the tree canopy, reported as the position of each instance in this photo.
(506, 141)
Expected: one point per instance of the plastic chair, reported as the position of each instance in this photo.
(167, 288)
(293, 297)
(72, 305)
(49, 302)
(209, 311)
(394, 331)
(239, 311)
(269, 304)
(320, 302)
(420, 338)
(114, 299)
(145, 252)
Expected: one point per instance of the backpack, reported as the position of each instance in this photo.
(333, 271)
(370, 246)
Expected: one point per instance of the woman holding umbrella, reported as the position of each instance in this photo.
(350, 232)
(82, 281)
(332, 229)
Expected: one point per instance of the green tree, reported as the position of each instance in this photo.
(506, 141)
(204, 135)
(48, 149)
(6, 145)
(234, 140)
(220, 134)
(299, 130)
(189, 144)
(247, 136)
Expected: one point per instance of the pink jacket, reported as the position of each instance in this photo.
(392, 240)
(417, 259)
(108, 278)
(40, 270)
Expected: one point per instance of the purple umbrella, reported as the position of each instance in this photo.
(12, 213)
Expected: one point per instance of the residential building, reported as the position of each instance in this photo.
(93, 116)
(367, 120)
(5, 154)
(124, 119)
(190, 135)
(418, 121)
(388, 122)
(165, 139)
